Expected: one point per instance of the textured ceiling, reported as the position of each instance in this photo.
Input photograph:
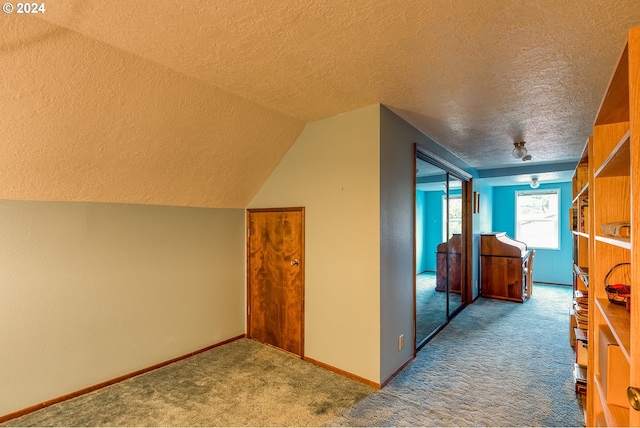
(475, 75)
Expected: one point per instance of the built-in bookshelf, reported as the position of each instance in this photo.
(612, 186)
(579, 327)
(580, 185)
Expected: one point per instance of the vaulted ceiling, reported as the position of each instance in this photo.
(194, 102)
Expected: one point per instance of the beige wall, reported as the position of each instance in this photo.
(94, 291)
(333, 170)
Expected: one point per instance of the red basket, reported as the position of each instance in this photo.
(615, 283)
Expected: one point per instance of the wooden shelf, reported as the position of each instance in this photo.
(585, 280)
(615, 416)
(583, 234)
(580, 179)
(581, 271)
(618, 163)
(619, 321)
(615, 105)
(581, 335)
(615, 241)
(582, 193)
(613, 161)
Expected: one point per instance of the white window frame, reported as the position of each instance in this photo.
(445, 218)
(517, 225)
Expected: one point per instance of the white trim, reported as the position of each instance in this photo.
(555, 191)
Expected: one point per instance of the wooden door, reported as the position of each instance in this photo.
(275, 277)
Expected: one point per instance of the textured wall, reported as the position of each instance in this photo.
(333, 171)
(94, 291)
(83, 121)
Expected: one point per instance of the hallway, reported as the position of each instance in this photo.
(497, 363)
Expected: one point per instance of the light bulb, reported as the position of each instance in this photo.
(534, 183)
(519, 150)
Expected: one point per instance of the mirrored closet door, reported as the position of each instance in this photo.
(454, 240)
(440, 242)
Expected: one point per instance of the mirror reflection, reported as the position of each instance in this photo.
(439, 248)
(454, 204)
(431, 296)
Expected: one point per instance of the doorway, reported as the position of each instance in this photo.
(442, 237)
(275, 277)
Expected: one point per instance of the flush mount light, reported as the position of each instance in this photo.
(519, 151)
(534, 183)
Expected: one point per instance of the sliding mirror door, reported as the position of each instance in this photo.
(440, 243)
(431, 302)
(454, 225)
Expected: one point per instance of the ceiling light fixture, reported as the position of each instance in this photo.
(519, 151)
(534, 183)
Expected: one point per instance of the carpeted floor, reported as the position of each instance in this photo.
(496, 364)
(243, 383)
(431, 305)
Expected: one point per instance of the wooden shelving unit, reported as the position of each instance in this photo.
(613, 165)
(580, 228)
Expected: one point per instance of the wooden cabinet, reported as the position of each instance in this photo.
(449, 264)
(502, 267)
(614, 196)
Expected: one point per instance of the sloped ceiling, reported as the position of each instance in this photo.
(81, 120)
(194, 102)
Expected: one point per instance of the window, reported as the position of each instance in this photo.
(455, 216)
(537, 218)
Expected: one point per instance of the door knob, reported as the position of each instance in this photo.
(633, 394)
(295, 262)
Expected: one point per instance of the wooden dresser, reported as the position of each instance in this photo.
(502, 267)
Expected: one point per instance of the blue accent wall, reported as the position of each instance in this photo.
(429, 227)
(482, 223)
(433, 229)
(553, 266)
(429, 233)
(420, 224)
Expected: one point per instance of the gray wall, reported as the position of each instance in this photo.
(397, 138)
(93, 291)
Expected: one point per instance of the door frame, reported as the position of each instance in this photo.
(301, 210)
